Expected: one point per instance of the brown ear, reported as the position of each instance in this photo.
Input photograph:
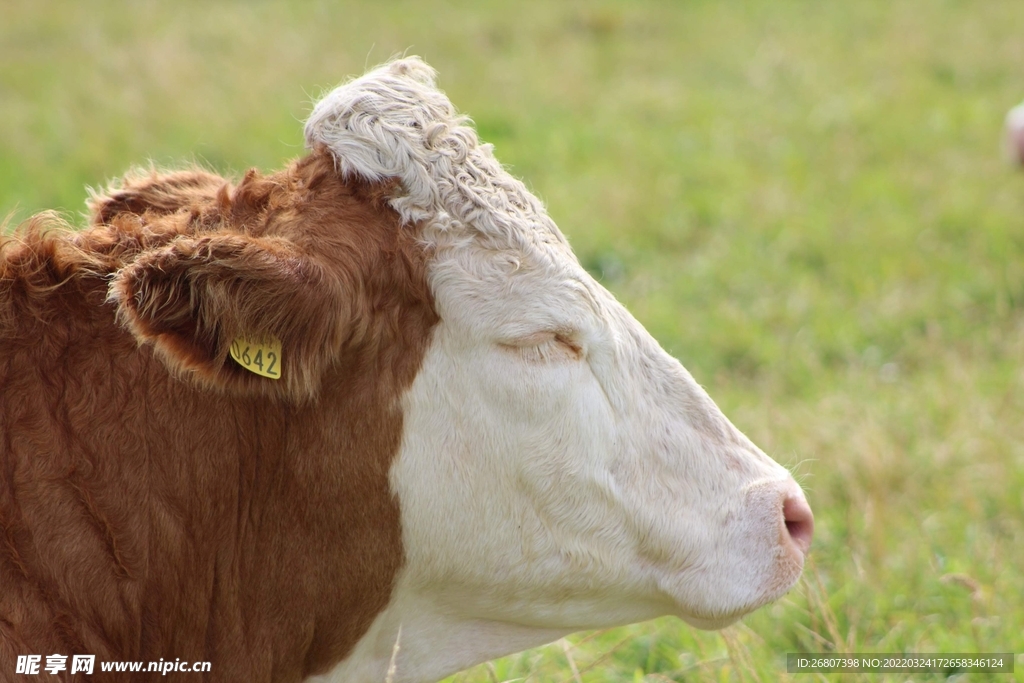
(192, 297)
(157, 194)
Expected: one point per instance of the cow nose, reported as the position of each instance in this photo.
(799, 520)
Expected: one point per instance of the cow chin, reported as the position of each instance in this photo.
(727, 607)
(720, 605)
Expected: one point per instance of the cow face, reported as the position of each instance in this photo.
(585, 463)
(558, 469)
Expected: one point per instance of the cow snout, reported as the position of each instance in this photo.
(798, 520)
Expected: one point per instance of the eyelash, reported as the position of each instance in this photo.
(557, 349)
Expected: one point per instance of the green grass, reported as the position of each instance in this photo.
(804, 201)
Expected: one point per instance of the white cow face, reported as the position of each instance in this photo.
(552, 443)
(559, 470)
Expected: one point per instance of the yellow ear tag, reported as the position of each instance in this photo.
(263, 359)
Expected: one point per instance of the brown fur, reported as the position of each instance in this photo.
(157, 500)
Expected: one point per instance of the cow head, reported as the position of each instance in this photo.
(559, 470)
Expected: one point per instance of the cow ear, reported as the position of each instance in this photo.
(195, 296)
(157, 194)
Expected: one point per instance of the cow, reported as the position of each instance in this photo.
(1013, 135)
(365, 417)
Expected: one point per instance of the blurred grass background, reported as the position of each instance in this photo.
(803, 201)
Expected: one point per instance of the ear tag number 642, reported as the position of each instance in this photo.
(262, 358)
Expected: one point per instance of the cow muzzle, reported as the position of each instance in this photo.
(782, 518)
(789, 524)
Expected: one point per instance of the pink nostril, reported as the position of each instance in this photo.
(799, 521)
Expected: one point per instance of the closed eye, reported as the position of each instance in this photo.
(544, 347)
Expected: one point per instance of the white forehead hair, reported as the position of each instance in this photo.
(395, 122)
